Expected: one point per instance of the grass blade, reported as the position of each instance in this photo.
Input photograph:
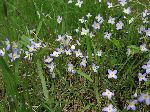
(84, 75)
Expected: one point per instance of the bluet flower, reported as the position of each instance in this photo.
(112, 74)
(119, 25)
(110, 108)
(144, 97)
(108, 94)
(111, 20)
(71, 68)
(2, 52)
(132, 105)
(147, 67)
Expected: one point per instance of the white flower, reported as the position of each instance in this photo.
(122, 2)
(70, 1)
(68, 52)
(89, 15)
(84, 31)
(77, 30)
(78, 53)
(2, 52)
(83, 62)
(73, 47)
(91, 35)
(79, 3)
(59, 19)
(131, 20)
(128, 52)
(99, 18)
(111, 20)
(94, 67)
(99, 53)
(28, 55)
(55, 54)
(77, 41)
(127, 11)
(143, 48)
(82, 20)
(60, 38)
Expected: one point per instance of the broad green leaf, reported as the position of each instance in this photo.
(42, 78)
(84, 75)
(8, 77)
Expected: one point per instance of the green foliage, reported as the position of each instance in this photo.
(28, 86)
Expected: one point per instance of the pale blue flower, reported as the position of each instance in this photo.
(109, 4)
(71, 68)
(119, 25)
(108, 93)
(2, 52)
(142, 77)
(147, 67)
(107, 35)
(112, 74)
(51, 67)
(48, 59)
(99, 18)
(145, 97)
(31, 48)
(96, 25)
(147, 32)
(110, 108)
(111, 20)
(7, 42)
(60, 50)
(14, 55)
(132, 105)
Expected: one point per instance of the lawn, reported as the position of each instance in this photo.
(74, 55)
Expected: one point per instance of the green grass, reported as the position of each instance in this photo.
(27, 86)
